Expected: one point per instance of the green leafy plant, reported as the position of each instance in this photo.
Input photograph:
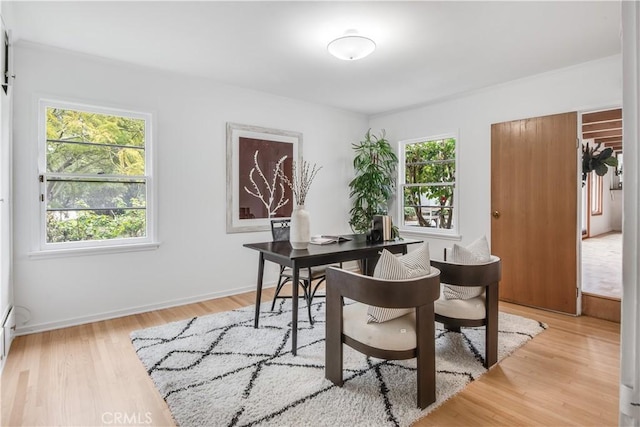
(374, 182)
(594, 160)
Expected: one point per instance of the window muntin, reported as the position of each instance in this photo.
(428, 185)
(96, 185)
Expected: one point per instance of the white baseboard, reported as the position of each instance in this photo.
(75, 321)
(49, 326)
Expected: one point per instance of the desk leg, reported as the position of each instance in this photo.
(294, 308)
(259, 289)
(369, 266)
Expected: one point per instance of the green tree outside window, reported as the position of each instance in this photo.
(95, 179)
(430, 183)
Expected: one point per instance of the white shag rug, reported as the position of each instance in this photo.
(217, 370)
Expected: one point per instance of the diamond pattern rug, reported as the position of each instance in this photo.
(217, 370)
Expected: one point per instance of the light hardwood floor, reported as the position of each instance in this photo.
(89, 375)
(602, 265)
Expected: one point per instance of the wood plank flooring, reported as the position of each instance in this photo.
(89, 375)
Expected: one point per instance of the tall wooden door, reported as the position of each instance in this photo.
(534, 204)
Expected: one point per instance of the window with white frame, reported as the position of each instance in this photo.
(596, 193)
(95, 172)
(427, 180)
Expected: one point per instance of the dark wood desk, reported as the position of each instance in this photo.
(281, 253)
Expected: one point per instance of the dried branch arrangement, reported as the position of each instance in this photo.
(302, 178)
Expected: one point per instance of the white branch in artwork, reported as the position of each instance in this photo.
(282, 200)
(268, 198)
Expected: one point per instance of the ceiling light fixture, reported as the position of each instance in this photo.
(351, 46)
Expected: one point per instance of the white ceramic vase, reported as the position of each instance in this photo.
(300, 232)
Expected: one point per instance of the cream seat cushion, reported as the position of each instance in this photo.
(396, 334)
(303, 273)
(472, 308)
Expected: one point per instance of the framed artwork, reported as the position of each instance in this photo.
(256, 193)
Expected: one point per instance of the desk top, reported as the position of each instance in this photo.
(358, 243)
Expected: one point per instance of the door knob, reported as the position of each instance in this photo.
(496, 214)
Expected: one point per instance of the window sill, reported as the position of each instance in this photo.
(431, 234)
(71, 252)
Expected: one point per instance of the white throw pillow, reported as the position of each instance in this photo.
(411, 265)
(477, 252)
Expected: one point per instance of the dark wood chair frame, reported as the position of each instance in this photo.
(486, 275)
(280, 231)
(417, 293)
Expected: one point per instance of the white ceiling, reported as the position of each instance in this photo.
(425, 50)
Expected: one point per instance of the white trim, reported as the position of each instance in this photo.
(41, 247)
(432, 234)
(107, 315)
(452, 233)
(579, 214)
(93, 250)
(629, 330)
(75, 321)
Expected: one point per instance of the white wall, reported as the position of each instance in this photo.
(6, 284)
(197, 259)
(616, 210)
(587, 86)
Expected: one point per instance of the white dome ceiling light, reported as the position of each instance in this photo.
(351, 46)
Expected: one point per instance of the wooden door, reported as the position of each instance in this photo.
(534, 204)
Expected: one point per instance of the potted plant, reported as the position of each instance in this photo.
(374, 182)
(595, 160)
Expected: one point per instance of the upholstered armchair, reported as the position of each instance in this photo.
(408, 336)
(471, 311)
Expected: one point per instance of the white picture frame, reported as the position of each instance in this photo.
(246, 212)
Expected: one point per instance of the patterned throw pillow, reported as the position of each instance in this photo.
(414, 264)
(477, 252)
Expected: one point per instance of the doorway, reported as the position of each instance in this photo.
(601, 217)
(534, 208)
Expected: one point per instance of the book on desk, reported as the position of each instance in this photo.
(326, 240)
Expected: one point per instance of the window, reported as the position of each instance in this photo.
(95, 176)
(596, 194)
(428, 183)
